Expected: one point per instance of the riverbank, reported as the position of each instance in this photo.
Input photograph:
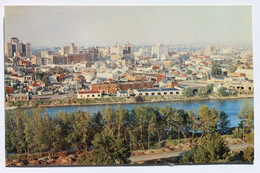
(131, 100)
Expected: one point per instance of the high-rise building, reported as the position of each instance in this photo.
(160, 50)
(211, 50)
(128, 49)
(15, 47)
(71, 49)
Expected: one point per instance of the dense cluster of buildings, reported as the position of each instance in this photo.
(122, 70)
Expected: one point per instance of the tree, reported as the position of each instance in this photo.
(45, 80)
(211, 150)
(108, 148)
(248, 154)
(208, 119)
(121, 115)
(246, 114)
(79, 135)
(97, 123)
(232, 69)
(223, 121)
(109, 116)
(15, 131)
(223, 91)
(202, 92)
(210, 87)
(146, 117)
(41, 123)
(167, 117)
(216, 69)
(188, 92)
(189, 71)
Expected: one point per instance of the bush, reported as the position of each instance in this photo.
(248, 154)
(237, 133)
(250, 138)
(222, 91)
(211, 150)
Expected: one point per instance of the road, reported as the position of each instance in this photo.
(178, 153)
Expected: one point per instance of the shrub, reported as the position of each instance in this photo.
(250, 138)
(248, 154)
(237, 133)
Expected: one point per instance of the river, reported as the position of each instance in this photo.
(231, 107)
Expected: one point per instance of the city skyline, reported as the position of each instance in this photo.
(97, 25)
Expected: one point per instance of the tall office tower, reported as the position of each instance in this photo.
(15, 47)
(160, 50)
(211, 50)
(128, 49)
(73, 48)
(64, 50)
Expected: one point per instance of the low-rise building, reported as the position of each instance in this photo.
(88, 94)
(156, 92)
(122, 94)
(18, 97)
(45, 92)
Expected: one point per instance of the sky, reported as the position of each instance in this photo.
(49, 26)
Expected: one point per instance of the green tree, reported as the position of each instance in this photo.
(246, 114)
(232, 69)
(41, 123)
(211, 150)
(109, 116)
(121, 115)
(45, 80)
(79, 135)
(239, 62)
(188, 92)
(210, 87)
(208, 119)
(223, 91)
(97, 123)
(189, 71)
(223, 121)
(146, 117)
(202, 92)
(216, 69)
(15, 131)
(248, 154)
(108, 148)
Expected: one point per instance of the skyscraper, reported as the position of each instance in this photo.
(14, 46)
(160, 50)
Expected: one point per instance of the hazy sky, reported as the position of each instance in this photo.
(97, 25)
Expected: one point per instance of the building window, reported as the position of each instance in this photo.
(165, 93)
(177, 92)
(140, 94)
(146, 94)
(87, 95)
(93, 95)
(159, 93)
(171, 93)
(152, 94)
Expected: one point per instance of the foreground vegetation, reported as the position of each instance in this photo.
(110, 136)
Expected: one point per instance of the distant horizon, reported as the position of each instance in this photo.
(56, 26)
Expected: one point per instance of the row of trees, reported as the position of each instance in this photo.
(109, 136)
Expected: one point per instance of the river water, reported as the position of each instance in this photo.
(230, 107)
